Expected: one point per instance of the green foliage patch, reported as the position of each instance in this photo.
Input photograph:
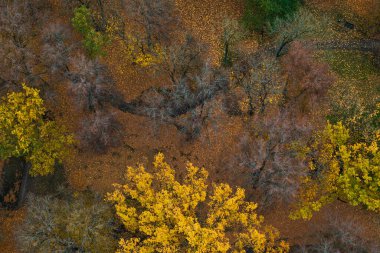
(93, 41)
(259, 13)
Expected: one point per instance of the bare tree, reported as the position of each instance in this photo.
(182, 61)
(301, 25)
(101, 131)
(342, 235)
(307, 80)
(156, 18)
(186, 94)
(267, 151)
(55, 49)
(232, 102)
(19, 26)
(193, 92)
(176, 102)
(16, 58)
(232, 33)
(261, 81)
(91, 83)
(65, 223)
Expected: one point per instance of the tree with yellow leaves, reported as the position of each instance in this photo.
(133, 50)
(164, 215)
(24, 133)
(341, 170)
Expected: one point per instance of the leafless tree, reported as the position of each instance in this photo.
(195, 97)
(91, 83)
(342, 235)
(55, 49)
(64, 223)
(16, 58)
(19, 26)
(232, 33)
(307, 82)
(101, 131)
(178, 103)
(156, 18)
(232, 102)
(193, 92)
(261, 81)
(183, 61)
(267, 151)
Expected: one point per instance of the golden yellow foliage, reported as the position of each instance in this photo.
(133, 50)
(24, 133)
(350, 172)
(163, 215)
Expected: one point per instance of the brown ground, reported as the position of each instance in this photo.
(142, 138)
(9, 222)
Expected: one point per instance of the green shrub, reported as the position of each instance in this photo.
(93, 41)
(258, 13)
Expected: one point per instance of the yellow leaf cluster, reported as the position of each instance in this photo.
(350, 172)
(24, 133)
(131, 47)
(164, 215)
(132, 50)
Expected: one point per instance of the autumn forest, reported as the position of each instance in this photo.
(198, 126)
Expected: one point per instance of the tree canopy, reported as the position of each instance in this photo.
(259, 13)
(24, 132)
(339, 169)
(162, 215)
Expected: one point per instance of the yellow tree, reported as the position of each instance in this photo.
(340, 170)
(163, 215)
(24, 133)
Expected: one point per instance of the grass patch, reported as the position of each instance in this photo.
(354, 96)
(351, 64)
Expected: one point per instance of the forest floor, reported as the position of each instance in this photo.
(143, 138)
(9, 222)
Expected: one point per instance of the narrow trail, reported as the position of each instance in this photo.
(365, 45)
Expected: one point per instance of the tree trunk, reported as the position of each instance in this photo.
(24, 183)
(226, 60)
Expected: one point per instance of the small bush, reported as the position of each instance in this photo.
(70, 223)
(101, 131)
(340, 236)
